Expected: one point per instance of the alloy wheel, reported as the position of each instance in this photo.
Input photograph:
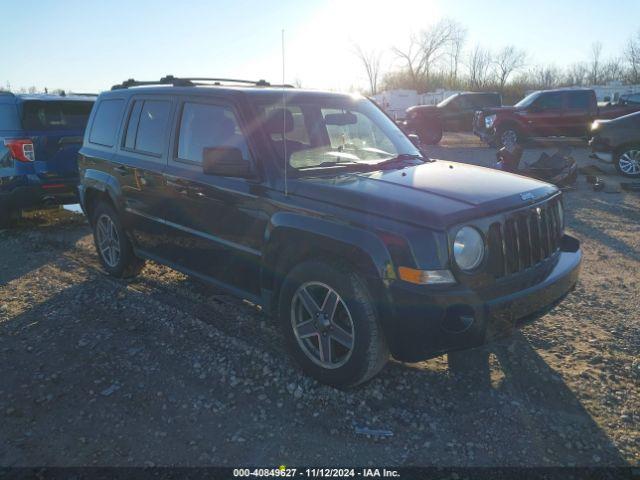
(509, 138)
(108, 240)
(629, 162)
(322, 325)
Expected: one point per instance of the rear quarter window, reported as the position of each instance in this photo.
(106, 122)
(9, 117)
(55, 115)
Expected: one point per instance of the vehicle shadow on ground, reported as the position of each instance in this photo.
(508, 407)
(39, 228)
(610, 205)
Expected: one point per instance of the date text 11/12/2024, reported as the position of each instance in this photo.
(283, 471)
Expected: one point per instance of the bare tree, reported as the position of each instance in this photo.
(370, 59)
(412, 57)
(433, 43)
(595, 63)
(507, 61)
(613, 70)
(632, 56)
(479, 64)
(426, 49)
(546, 76)
(576, 74)
(456, 45)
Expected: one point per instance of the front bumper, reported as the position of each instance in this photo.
(601, 150)
(486, 135)
(425, 322)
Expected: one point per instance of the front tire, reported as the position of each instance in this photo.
(627, 162)
(508, 136)
(330, 324)
(430, 135)
(112, 244)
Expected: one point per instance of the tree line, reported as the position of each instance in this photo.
(439, 57)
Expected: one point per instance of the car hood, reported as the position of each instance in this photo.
(424, 109)
(435, 194)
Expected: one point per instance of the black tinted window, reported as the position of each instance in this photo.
(152, 126)
(9, 117)
(635, 98)
(106, 122)
(132, 126)
(203, 126)
(578, 100)
(549, 101)
(487, 101)
(60, 115)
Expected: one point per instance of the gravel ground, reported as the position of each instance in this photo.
(164, 370)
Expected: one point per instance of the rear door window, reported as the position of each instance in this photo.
(147, 127)
(106, 122)
(578, 100)
(9, 117)
(55, 115)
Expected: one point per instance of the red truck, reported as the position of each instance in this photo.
(545, 113)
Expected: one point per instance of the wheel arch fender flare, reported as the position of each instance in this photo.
(102, 182)
(292, 236)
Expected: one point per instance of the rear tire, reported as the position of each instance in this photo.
(112, 243)
(326, 308)
(627, 161)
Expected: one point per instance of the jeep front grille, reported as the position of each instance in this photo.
(525, 238)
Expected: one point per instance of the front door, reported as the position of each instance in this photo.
(216, 222)
(544, 117)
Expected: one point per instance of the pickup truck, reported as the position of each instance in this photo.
(545, 113)
(453, 114)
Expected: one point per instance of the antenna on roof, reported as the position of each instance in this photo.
(284, 122)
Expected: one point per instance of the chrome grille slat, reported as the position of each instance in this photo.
(525, 238)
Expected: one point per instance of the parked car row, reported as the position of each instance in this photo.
(549, 113)
(317, 207)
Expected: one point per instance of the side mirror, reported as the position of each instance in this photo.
(225, 162)
(415, 139)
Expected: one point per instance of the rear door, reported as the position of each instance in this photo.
(56, 128)
(577, 114)
(139, 165)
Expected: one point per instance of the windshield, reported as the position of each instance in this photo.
(528, 100)
(447, 100)
(333, 131)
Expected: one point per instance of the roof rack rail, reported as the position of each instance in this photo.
(192, 82)
(82, 94)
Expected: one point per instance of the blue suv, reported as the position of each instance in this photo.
(40, 135)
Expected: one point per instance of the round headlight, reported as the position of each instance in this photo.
(468, 248)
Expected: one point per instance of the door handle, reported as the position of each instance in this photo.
(122, 170)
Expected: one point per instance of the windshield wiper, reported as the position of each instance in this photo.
(340, 163)
(403, 157)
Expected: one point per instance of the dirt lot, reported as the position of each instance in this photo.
(163, 370)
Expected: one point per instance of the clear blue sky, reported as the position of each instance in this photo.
(90, 45)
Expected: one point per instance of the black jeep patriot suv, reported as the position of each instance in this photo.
(317, 207)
